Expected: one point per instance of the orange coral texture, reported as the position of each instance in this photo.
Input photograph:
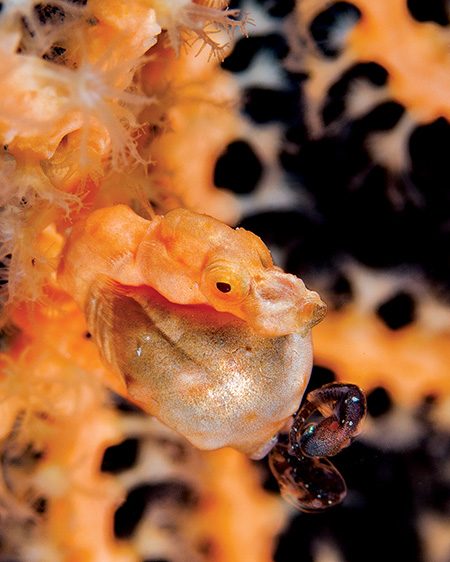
(411, 363)
(98, 109)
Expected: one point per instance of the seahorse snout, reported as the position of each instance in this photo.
(312, 310)
(281, 305)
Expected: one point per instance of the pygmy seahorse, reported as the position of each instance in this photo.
(207, 333)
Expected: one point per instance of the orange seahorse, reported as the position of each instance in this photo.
(206, 332)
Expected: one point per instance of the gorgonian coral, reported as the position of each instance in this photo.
(82, 116)
(84, 104)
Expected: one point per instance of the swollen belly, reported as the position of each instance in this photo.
(203, 373)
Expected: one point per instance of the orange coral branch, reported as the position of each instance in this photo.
(416, 56)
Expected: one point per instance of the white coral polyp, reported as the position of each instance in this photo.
(179, 16)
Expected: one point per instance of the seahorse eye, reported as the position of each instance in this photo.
(223, 280)
(223, 287)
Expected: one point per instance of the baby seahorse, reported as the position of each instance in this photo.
(206, 332)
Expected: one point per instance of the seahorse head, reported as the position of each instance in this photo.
(243, 281)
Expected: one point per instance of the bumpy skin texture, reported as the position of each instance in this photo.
(189, 259)
(207, 334)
